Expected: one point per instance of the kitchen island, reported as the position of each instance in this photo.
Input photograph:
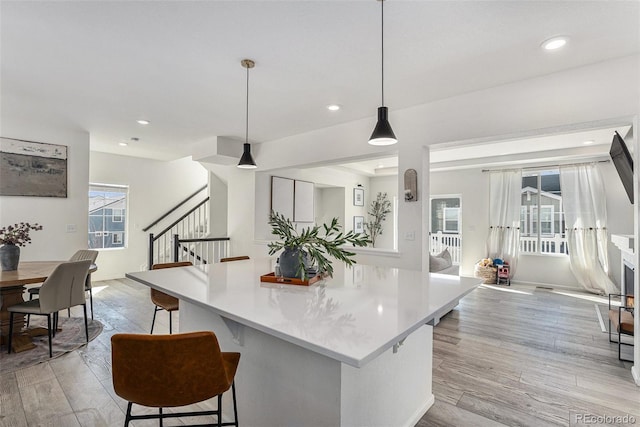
(352, 350)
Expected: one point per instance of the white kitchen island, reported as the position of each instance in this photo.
(353, 350)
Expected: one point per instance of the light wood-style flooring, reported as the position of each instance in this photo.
(515, 356)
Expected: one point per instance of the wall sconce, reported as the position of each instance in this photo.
(410, 185)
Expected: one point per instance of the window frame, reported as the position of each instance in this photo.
(533, 224)
(445, 220)
(103, 238)
(120, 214)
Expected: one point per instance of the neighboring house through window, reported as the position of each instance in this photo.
(107, 216)
(543, 233)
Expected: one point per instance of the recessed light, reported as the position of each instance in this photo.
(589, 142)
(122, 144)
(380, 165)
(333, 107)
(554, 43)
(143, 122)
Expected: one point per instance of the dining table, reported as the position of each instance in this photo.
(13, 284)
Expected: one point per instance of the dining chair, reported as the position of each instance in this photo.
(165, 371)
(164, 301)
(80, 255)
(64, 288)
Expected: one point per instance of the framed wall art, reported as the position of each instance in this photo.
(358, 224)
(358, 196)
(32, 169)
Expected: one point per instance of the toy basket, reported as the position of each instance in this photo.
(488, 274)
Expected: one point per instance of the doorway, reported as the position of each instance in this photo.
(445, 230)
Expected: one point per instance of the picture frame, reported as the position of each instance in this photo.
(358, 224)
(358, 197)
(29, 168)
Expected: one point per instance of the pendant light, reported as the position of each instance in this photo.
(246, 161)
(382, 134)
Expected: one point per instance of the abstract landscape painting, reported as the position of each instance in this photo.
(32, 169)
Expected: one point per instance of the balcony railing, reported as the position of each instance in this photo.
(548, 245)
(441, 241)
(555, 244)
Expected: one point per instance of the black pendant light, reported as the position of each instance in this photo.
(382, 134)
(246, 161)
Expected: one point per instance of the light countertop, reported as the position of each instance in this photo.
(353, 317)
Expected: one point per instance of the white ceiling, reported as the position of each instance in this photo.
(101, 65)
(567, 147)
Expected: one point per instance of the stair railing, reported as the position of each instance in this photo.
(194, 224)
(200, 251)
(175, 208)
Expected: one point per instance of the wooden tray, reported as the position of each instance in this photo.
(271, 278)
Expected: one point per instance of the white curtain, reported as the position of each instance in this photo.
(585, 213)
(504, 216)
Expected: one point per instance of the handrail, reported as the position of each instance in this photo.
(180, 219)
(174, 209)
(178, 243)
(205, 239)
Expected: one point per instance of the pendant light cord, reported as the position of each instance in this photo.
(382, 45)
(246, 131)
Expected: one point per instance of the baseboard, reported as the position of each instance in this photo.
(635, 372)
(420, 413)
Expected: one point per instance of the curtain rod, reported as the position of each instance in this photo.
(546, 166)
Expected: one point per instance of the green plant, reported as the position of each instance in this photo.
(313, 245)
(379, 210)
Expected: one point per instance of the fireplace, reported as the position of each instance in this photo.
(624, 242)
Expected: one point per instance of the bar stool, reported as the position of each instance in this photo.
(165, 371)
(164, 301)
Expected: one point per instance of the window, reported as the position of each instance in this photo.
(107, 216)
(116, 215)
(541, 214)
(445, 231)
(116, 238)
(445, 215)
(451, 220)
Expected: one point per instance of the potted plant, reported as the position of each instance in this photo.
(12, 237)
(379, 210)
(309, 248)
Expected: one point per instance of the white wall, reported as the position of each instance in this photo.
(389, 185)
(154, 188)
(619, 215)
(327, 176)
(52, 242)
(473, 186)
(528, 107)
(330, 204)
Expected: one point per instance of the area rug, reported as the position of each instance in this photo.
(70, 336)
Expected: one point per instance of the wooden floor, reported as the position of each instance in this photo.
(505, 356)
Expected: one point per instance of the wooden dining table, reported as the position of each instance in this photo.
(12, 286)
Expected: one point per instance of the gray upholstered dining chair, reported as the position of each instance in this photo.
(64, 288)
(80, 255)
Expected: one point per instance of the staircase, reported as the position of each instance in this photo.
(186, 238)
